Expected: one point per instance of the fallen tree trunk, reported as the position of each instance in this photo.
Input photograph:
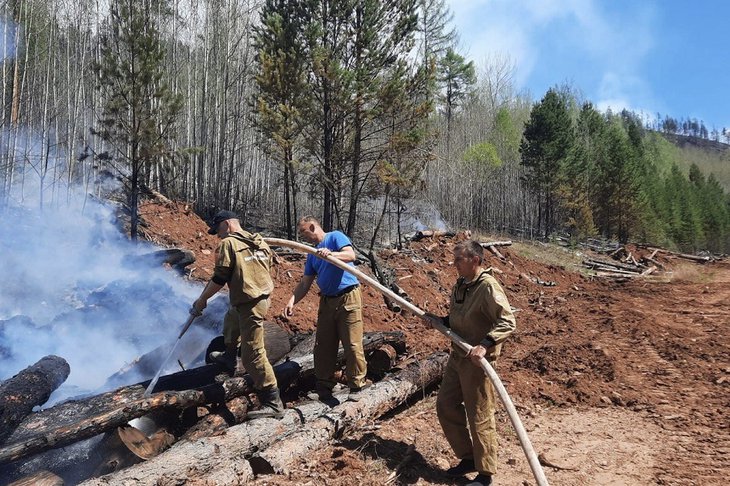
(381, 397)
(696, 258)
(130, 405)
(432, 234)
(487, 244)
(222, 458)
(41, 478)
(31, 387)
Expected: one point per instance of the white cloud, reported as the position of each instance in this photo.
(607, 48)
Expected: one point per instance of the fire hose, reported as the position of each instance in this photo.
(532, 458)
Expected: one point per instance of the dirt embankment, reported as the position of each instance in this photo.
(618, 383)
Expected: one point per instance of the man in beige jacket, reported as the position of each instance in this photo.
(479, 313)
(243, 262)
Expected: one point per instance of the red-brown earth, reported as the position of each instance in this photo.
(618, 383)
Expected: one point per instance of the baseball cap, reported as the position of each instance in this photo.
(219, 217)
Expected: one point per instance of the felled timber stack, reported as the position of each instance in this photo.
(276, 443)
(189, 390)
(611, 269)
(685, 256)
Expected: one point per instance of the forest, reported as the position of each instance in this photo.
(363, 113)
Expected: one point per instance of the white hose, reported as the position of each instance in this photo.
(532, 459)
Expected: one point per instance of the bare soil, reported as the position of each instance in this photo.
(617, 383)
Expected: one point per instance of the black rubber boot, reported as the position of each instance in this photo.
(465, 466)
(271, 405)
(227, 358)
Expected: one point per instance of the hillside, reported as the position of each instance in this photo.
(710, 156)
(616, 382)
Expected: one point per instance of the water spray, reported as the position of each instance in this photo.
(193, 314)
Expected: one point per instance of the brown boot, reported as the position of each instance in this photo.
(271, 405)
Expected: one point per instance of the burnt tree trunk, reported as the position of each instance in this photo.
(221, 458)
(31, 387)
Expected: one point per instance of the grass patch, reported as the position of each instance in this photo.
(550, 254)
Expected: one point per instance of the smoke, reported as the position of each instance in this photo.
(7, 39)
(73, 287)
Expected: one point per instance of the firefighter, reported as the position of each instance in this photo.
(480, 313)
(243, 262)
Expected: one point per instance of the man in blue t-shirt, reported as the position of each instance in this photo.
(340, 309)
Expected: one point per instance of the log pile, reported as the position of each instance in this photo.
(641, 261)
(204, 393)
(270, 444)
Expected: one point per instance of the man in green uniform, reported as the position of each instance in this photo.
(340, 310)
(243, 262)
(480, 313)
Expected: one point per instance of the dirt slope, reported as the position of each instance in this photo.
(618, 383)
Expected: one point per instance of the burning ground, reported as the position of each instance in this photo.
(616, 382)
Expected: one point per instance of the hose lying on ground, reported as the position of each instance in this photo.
(532, 459)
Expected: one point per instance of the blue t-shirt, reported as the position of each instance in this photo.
(330, 278)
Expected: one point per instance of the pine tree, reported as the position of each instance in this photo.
(545, 145)
(456, 76)
(283, 96)
(575, 187)
(139, 109)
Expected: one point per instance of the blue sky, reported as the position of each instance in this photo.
(653, 56)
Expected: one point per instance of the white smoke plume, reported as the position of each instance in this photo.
(71, 286)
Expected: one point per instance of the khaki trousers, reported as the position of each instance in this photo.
(246, 321)
(340, 319)
(465, 409)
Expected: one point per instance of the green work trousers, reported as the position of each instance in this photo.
(246, 321)
(340, 319)
(465, 409)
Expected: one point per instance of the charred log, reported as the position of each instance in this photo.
(31, 387)
(432, 234)
(382, 360)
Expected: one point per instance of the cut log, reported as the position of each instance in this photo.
(649, 271)
(220, 458)
(31, 387)
(432, 234)
(653, 262)
(487, 244)
(496, 252)
(382, 360)
(380, 398)
(80, 419)
(277, 343)
(619, 266)
(696, 258)
(608, 269)
(217, 418)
